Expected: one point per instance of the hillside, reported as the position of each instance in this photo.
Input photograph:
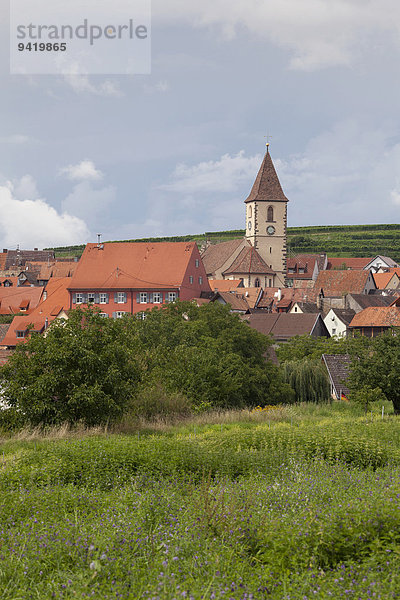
(336, 240)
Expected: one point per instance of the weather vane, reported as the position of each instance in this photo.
(268, 137)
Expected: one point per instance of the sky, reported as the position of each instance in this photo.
(176, 152)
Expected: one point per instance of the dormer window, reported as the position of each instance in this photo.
(20, 334)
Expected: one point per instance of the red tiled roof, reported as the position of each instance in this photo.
(249, 262)
(382, 280)
(3, 257)
(123, 265)
(377, 316)
(337, 283)
(307, 262)
(224, 285)
(216, 255)
(56, 301)
(11, 298)
(267, 187)
(346, 262)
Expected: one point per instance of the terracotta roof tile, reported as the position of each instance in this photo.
(337, 283)
(11, 298)
(267, 187)
(237, 302)
(382, 280)
(225, 285)
(377, 316)
(122, 265)
(346, 262)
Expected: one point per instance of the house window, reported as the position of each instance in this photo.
(302, 270)
(20, 334)
(290, 270)
(90, 298)
(270, 214)
(103, 298)
(191, 279)
(171, 296)
(269, 282)
(257, 283)
(333, 331)
(289, 282)
(79, 298)
(141, 316)
(157, 298)
(197, 263)
(119, 314)
(143, 298)
(121, 298)
(200, 280)
(104, 315)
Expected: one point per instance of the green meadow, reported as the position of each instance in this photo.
(294, 502)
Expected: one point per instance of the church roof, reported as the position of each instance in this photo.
(216, 255)
(249, 262)
(267, 187)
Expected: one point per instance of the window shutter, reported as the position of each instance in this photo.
(151, 298)
(138, 298)
(166, 298)
(125, 297)
(115, 297)
(97, 298)
(73, 298)
(107, 298)
(114, 315)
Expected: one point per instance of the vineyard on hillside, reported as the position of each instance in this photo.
(335, 240)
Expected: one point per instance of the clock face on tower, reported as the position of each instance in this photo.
(271, 230)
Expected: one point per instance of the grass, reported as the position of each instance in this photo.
(289, 503)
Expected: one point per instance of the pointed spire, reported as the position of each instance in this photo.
(267, 187)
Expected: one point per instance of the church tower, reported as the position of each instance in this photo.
(266, 219)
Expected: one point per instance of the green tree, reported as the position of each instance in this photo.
(379, 368)
(304, 346)
(82, 370)
(308, 379)
(210, 355)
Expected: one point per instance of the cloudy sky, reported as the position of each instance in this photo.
(176, 152)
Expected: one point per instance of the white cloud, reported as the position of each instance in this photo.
(89, 203)
(223, 175)
(34, 223)
(348, 174)
(25, 188)
(85, 170)
(319, 33)
(16, 139)
(81, 84)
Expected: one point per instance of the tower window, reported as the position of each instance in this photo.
(270, 214)
(249, 225)
(257, 283)
(270, 250)
(250, 212)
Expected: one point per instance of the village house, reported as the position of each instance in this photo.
(338, 320)
(374, 320)
(305, 267)
(338, 367)
(283, 326)
(359, 302)
(380, 264)
(345, 263)
(387, 281)
(15, 300)
(122, 278)
(54, 305)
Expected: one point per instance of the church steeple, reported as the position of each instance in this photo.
(267, 187)
(266, 219)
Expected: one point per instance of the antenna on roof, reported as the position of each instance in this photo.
(100, 246)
